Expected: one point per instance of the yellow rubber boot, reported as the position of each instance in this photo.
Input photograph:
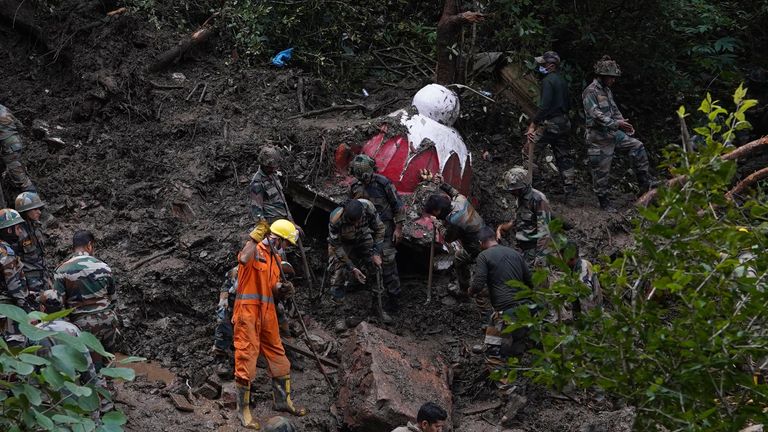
(281, 392)
(244, 408)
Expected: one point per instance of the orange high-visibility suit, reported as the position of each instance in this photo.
(255, 317)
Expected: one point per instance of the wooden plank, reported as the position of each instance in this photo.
(181, 403)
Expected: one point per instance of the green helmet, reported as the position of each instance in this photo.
(607, 67)
(361, 166)
(515, 178)
(270, 156)
(28, 201)
(279, 424)
(9, 218)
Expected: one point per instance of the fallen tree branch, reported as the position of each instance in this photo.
(328, 109)
(298, 350)
(747, 182)
(176, 53)
(739, 153)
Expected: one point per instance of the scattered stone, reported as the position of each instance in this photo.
(514, 404)
(611, 421)
(481, 407)
(753, 428)
(478, 349)
(229, 396)
(207, 391)
(380, 388)
(181, 403)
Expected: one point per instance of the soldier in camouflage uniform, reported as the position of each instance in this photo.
(382, 193)
(14, 285)
(31, 245)
(531, 218)
(462, 222)
(267, 204)
(10, 149)
(222, 335)
(587, 276)
(608, 131)
(551, 126)
(355, 241)
(85, 284)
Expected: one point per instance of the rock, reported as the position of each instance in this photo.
(753, 428)
(515, 403)
(380, 388)
(229, 396)
(207, 391)
(622, 420)
(181, 403)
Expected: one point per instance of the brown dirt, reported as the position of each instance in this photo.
(148, 171)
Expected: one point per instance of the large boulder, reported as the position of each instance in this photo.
(385, 379)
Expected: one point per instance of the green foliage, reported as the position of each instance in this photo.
(44, 392)
(684, 324)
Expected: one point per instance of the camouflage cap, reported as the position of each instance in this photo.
(548, 57)
(28, 201)
(270, 156)
(9, 218)
(515, 178)
(361, 165)
(607, 67)
(279, 424)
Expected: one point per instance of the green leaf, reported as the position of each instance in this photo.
(77, 390)
(31, 349)
(89, 403)
(57, 315)
(681, 111)
(132, 359)
(16, 366)
(33, 359)
(13, 312)
(43, 421)
(127, 374)
(65, 419)
(53, 377)
(69, 356)
(114, 418)
(32, 394)
(33, 333)
(93, 344)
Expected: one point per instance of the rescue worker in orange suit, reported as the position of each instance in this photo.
(255, 319)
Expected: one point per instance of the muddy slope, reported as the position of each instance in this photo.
(161, 180)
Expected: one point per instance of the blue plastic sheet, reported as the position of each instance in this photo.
(282, 57)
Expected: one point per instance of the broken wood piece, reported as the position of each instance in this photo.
(152, 257)
(176, 53)
(328, 109)
(118, 11)
(298, 350)
(165, 86)
(739, 153)
(181, 403)
(747, 182)
(300, 95)
(483, 407)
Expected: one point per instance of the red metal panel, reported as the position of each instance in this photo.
(452, 171)
(424, 160)
(466, 178)
(391, 158)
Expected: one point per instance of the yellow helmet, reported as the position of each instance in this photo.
(285, 229)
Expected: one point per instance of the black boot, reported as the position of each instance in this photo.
(392, 305)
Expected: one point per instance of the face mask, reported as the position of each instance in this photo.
(543, 70)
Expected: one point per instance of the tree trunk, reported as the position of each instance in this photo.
(448, 69)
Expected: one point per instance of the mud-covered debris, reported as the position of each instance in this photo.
(611, 421)
(181, 403)
(229, 396)
(380, 387)
(513, 406)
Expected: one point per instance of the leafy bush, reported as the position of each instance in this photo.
(43, 392)
(684, 327)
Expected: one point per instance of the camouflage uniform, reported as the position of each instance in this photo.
(14, 292)
(382, 193)
(32, 254)
(588, 277)
(85, 283)
(463, 223)
(89, 376)
(10, 149)
(267, 203)
(553, 127)
(532, 218)
(604, 137)
(353, 246)
(222, 335)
